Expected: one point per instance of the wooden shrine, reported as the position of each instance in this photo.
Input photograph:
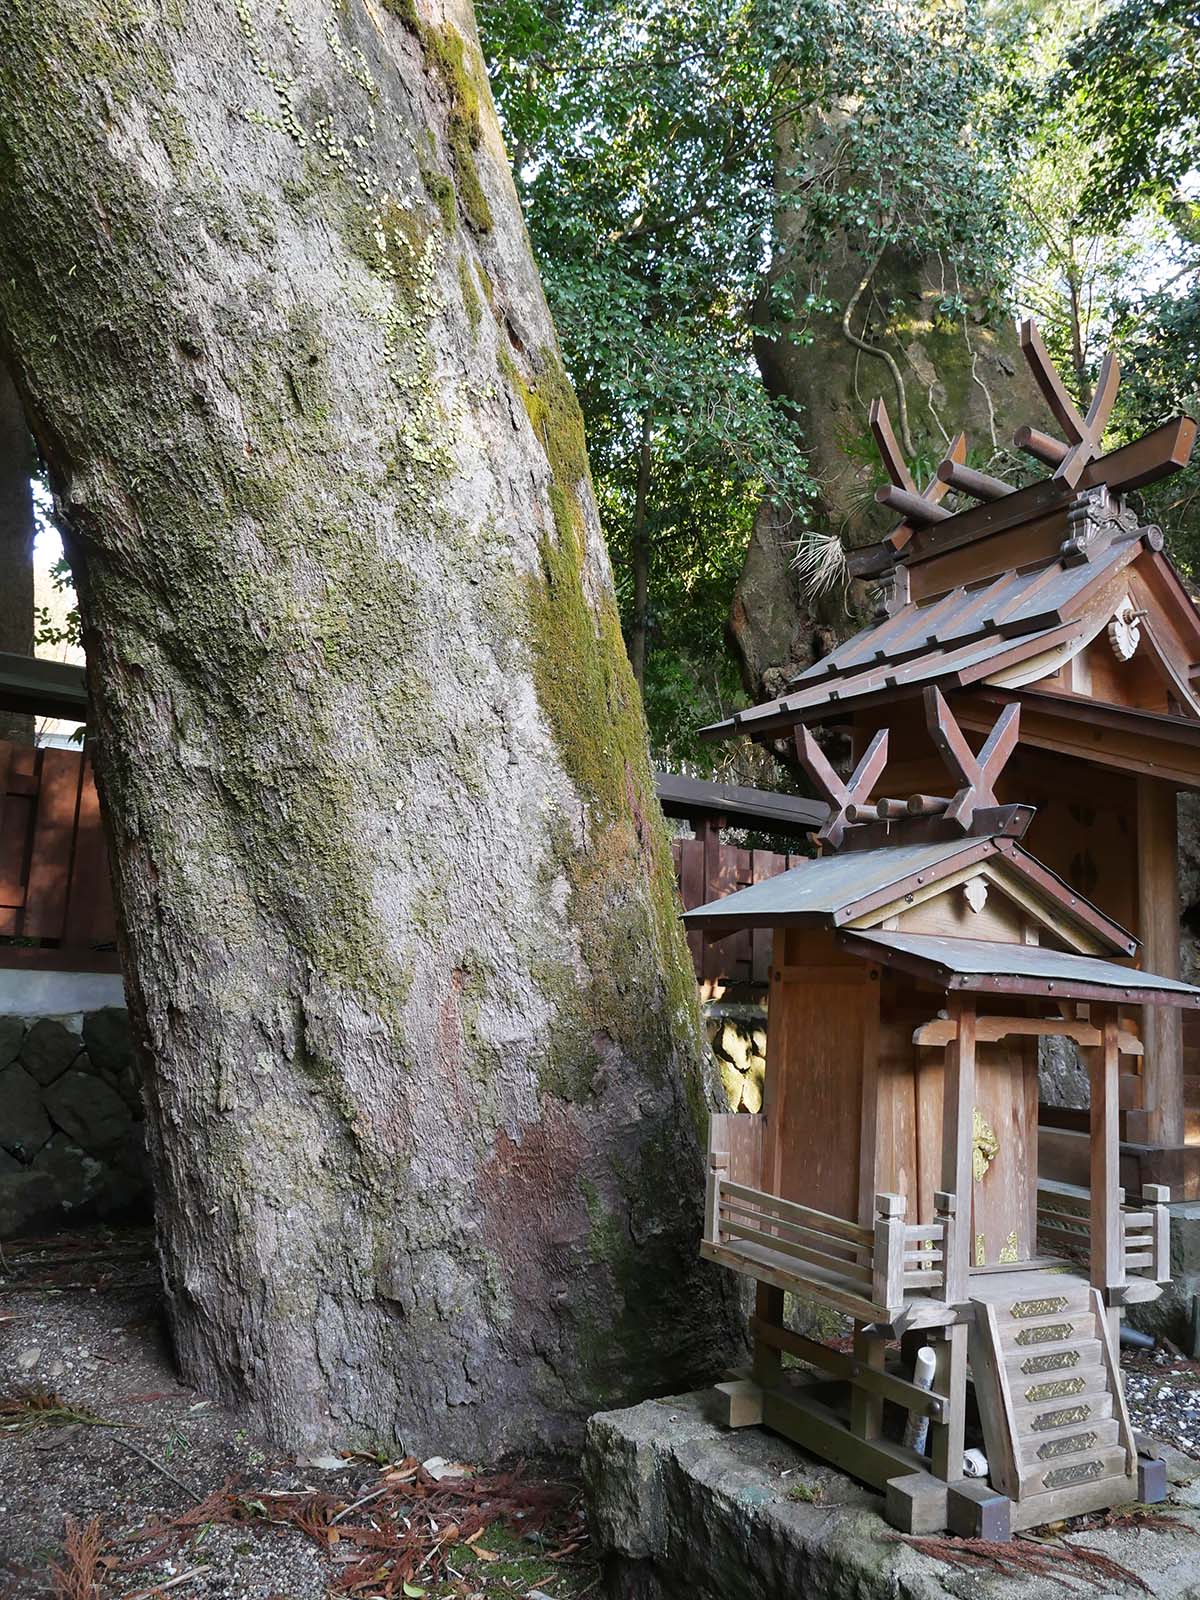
(1038, 647)
(892, 1174)
(1057, 599)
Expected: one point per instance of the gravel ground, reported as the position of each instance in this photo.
(80, 1319)
(1162, 1391)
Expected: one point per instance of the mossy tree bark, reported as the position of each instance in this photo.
(399, 931)
(16, 544)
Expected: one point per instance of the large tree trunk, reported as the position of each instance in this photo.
(399, 930)
(962, 373)
(16, 543)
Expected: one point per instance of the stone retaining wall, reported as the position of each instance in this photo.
(71, 1145)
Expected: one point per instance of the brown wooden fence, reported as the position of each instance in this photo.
(706, 870)
(55, 891)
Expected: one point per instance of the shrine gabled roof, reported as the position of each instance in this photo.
(953, 639)
(835, 890)
(986, 966)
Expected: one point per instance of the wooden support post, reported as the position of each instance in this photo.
(866, 1408)
(1158, 929)
(768, 1360)
(945, 1211)
(887, 1255)
(958, 1135)
(950, 1379)
(718, 1168)
(1156, 1196)
(1107, 1239)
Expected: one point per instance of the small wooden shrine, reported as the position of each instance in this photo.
(1057, 598)
(893, 1173)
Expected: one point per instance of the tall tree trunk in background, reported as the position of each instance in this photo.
(425, 1084)
(640, 551)
(961, 374)
(16, 543)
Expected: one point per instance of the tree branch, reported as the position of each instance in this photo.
(874, 350)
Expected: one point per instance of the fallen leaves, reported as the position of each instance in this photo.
(1025, 1557)
(26, 1409)
(397, 1537)
(77, 1575)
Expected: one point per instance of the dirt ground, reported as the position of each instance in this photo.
(168, 1491)
(117, 1481)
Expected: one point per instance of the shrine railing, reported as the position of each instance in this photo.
(1142, 1258)
(872, 1273)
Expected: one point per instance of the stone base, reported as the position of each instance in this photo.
(682, 1509)
(71, 1142)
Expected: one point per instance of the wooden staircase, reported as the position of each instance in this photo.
(1047, 1381)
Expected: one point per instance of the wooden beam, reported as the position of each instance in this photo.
(1159, 453)
(1042, 447)
(1158, 918)
(988, 1030)
(923, 1402)
(912, 507)
(980, 485)
(1158, 747)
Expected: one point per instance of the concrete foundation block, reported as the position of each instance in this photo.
(975, 1511)
(738, 1403)
(916, 1503)
(1152, 1481)
(683, 1509)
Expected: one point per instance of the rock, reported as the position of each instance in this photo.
(735, 1046)
(28, 1203)
(48, 1050)
(752, 1093)
(28, 1359)
(759, 1040)
(78, 1177)
(24, 1125)
(1062, 1076)
(89, 1111)
(108, 1040)
(682, 1509)
(731, 1081)
(12, 1031)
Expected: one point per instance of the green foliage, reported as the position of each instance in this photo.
(899, 138)
(645, 139)
(642, 148)
(1116, 229)
(1135, 74)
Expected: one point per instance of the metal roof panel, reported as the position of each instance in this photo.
(983, 958)
(824, 886)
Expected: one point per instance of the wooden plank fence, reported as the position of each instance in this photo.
(705, 870)
(55, 891)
